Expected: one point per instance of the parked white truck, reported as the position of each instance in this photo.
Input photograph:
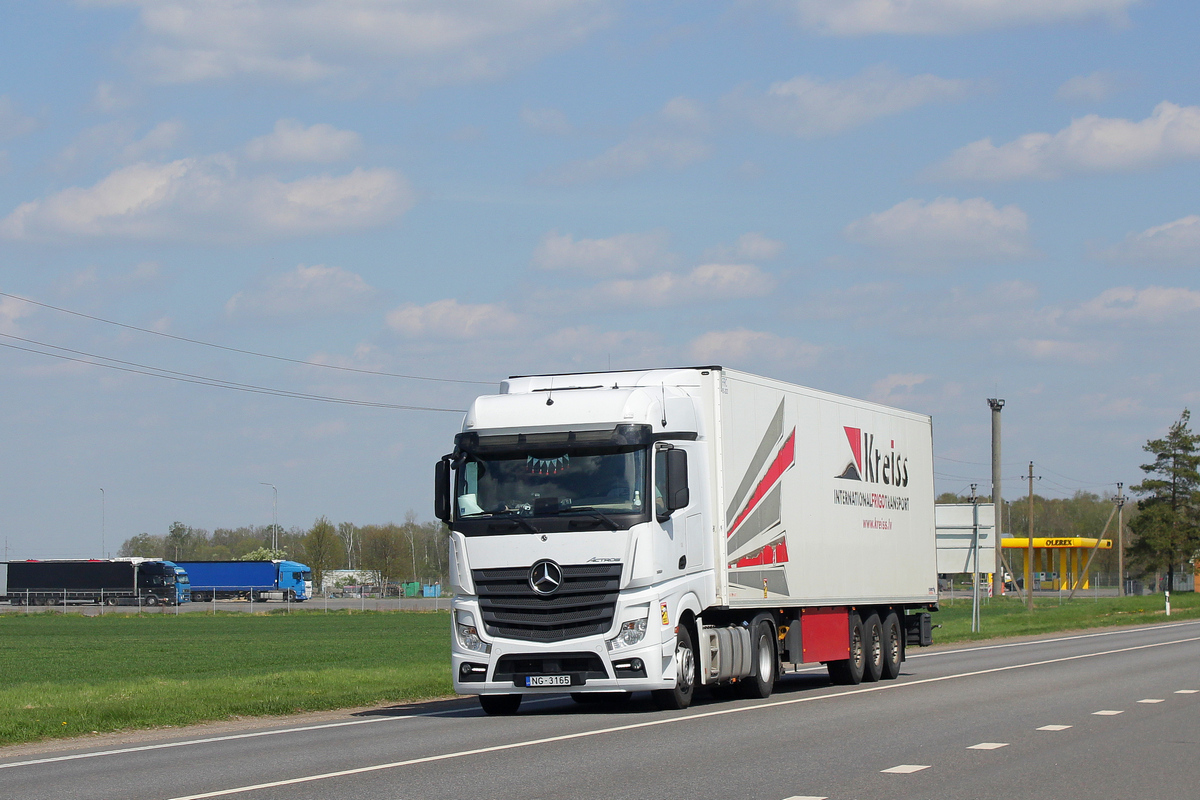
(667, 529)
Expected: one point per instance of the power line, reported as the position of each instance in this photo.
(183, 377)
(243, 352)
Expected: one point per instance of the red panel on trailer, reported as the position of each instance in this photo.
(824, 634)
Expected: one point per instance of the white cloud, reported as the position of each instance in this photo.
(108, 99)
(12, 310)
(624, 254)
(671, 139)
(895, 385)
(946, 17)
(315, 291)
(749, 247)
(1061, 351)
(1175, 244)
(291, 141)
(809, 107)
(742, 347)
(1088, 144)
(419, 41)
(1154, 304)
(705, 282)
(945, 229)
(1093, 88)
(548, 121)
(13, 123)
(142, 274)
(159, 139)
(205, 199)
(449, 319)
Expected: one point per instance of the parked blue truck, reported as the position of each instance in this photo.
(249, 580)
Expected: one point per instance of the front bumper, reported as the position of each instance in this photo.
(586, 661)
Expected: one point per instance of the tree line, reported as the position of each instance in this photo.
(411, 551)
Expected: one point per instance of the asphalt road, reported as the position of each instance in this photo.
(1110, 714)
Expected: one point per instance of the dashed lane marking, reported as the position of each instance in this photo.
(988, 746)
(1151, 700)
(1106, 713)
(1054, 727)
(805, 797)
(1186, 691)
(906, 769)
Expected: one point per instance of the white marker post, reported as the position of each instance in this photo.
(1168, 594)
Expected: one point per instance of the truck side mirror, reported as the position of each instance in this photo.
(441, 489)
(678, 494)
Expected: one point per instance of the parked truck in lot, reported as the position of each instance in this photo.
(249, 580)
(668, 529)
(135, 581)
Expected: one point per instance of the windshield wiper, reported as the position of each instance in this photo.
(520, 522)
(597, 513)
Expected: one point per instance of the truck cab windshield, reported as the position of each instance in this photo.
(597, 483)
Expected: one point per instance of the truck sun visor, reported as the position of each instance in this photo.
(473, 442)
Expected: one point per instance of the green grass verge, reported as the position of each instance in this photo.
(1007, 616)
(67, 675)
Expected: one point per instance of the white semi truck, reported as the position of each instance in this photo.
(668, 529)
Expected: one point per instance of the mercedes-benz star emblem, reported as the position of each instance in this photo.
(545, 577)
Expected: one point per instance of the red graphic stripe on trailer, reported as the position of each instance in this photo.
(783, 459)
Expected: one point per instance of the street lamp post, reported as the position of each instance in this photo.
(102, 546)
(274, 515)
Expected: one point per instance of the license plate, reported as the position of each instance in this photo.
(547, 680)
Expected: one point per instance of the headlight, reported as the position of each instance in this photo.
(468, 636)
(629, 634)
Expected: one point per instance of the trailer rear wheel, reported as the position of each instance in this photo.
(892, 647)
(500, 705)
(873, 649)
(685, 675)
(849, 671)
(760, 685)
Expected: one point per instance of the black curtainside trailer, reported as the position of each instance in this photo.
(96, 582)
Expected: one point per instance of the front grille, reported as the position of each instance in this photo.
(580, 666)
(583, 606)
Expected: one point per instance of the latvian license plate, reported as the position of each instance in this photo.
(547, 680)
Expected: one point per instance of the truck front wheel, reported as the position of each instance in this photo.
(849, 671)
(500, 705)
(685, 675)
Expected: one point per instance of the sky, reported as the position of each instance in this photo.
(248, 242)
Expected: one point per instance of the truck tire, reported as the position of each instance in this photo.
(893, 647)
(849, 671)
(152, 600)
(685, 675)
(872, 649)
(760, 685)
(500, 705)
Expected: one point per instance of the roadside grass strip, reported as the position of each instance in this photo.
(1008, 616)
(69, 675)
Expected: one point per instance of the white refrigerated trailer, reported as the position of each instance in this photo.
(673, 528)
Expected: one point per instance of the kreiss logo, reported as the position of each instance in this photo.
(872, 465)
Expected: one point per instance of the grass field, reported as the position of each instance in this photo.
(67, 675)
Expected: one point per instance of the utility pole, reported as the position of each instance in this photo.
(274, 516)
(1120, 542)
(1029, 550)
(975, 573)
(998, 580)
(102, 555)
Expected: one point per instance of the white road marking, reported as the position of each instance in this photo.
(670, 721)
(1054, 727)
(1186, 691)
(1106, 713)
(906, 769)
(805, 797)
(1150, 700)
(1047, 641)
(988, 746)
